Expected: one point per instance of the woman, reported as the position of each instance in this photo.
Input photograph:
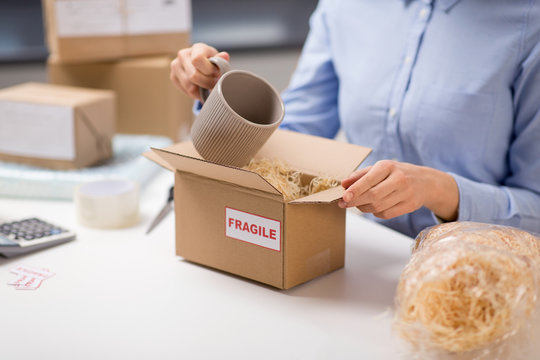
(446, 92)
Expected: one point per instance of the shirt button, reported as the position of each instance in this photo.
(408, 59)
(392, 112)
(423, 13)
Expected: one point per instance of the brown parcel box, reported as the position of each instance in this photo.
(148, 103)
(83, 31)
(233, 220)
(57, 127)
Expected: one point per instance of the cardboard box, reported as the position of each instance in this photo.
(57, 127)
(148, 102)
(90, 30)
(233, 220)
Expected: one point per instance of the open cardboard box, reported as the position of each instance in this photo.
(232, 219)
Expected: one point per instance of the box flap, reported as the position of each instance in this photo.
(184, 157)
(155, 158)
(314, 155)
(179, 148)
(323, 197)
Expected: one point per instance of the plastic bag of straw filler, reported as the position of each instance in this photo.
(470, 291)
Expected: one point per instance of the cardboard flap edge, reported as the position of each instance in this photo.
(324, 197)
(153, 155)
(253, 179)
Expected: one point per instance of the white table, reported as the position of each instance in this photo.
(120, 294)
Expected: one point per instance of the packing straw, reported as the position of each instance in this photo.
(289, 181)
(470, 291)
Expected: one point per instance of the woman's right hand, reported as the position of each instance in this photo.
(191, 69)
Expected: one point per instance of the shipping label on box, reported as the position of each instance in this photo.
(90, 30)
(37, 130)
(89, 18)
(234, 220)
(54, 126)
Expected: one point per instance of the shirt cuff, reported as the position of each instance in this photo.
(197, 105)
(479, 201)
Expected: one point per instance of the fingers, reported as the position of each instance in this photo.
(191, 69)
(379, 205)
(354, 177)
(198, 58)
(366, 180)
(180, 79)
(396, 210)
(387, 189)
(224, 55)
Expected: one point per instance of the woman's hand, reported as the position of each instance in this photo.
(390, 188)
(191, 69)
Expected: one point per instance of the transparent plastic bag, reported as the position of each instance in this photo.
(470, 291)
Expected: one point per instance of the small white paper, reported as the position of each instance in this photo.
(157, 16)
(30, 284)
(31, 271)
(79, 18)
(84, 18)
(37, 130)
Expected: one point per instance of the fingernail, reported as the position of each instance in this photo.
(342, 204)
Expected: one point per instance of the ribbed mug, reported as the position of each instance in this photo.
(237, 117)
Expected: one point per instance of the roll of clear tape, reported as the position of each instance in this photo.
(107, 204)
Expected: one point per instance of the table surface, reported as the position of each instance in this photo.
(121, 294)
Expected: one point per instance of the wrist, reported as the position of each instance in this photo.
(444, 198)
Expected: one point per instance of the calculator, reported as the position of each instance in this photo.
(30, 234)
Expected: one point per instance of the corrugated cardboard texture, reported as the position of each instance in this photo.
(211, 170)
(148, 103)
(101, 48)
(94, 121)
(311, 155)
(200, 227)
(314, 241)
(313, 228)
(314, 155)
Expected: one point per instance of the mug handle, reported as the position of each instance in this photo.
(223, 66)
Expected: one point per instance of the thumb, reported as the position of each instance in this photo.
(354, 177)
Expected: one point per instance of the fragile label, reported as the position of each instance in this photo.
(37, 130)
(253, 228)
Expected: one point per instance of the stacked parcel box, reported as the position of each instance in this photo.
(125, 46)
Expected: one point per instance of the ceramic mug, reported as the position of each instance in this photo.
(237, 117)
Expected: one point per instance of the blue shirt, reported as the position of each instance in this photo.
(449, 84)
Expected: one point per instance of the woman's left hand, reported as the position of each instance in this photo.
(390, 188)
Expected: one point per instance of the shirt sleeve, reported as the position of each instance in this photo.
(517, 201)
(311, 98)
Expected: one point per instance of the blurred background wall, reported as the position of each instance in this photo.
(263, 36)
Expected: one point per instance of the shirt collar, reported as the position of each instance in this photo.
(443, 5)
